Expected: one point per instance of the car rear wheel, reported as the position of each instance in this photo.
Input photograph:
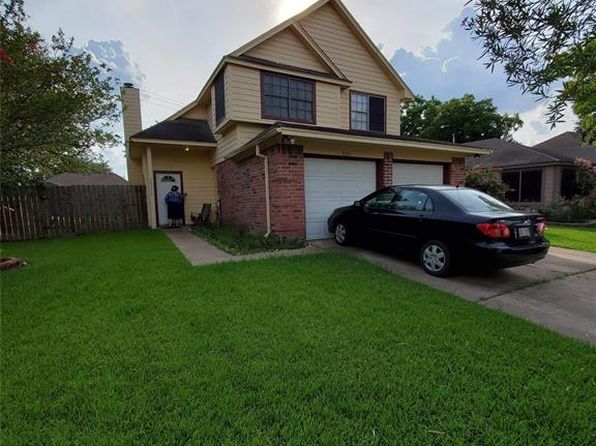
(341, 234)
(435, 258)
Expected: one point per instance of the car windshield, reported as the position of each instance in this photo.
(475, 201)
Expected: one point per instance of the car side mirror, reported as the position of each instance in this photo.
(357, 203)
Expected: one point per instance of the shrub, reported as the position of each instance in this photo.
(586, 176)
(576, 209)
(486, 180)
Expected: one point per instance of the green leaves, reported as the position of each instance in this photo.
(456, 120)
(541, 46)
(55, 104)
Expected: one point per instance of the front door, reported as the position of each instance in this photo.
(163, 184)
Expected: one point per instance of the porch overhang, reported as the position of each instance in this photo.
(302, 134)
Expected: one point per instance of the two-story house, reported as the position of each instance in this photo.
(301, 120)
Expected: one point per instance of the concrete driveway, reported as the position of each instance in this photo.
(559, 292)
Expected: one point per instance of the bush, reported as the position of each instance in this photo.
(486, 180)
(576, 209)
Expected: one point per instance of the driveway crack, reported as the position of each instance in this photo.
(540, 282)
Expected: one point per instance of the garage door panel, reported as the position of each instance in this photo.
(331, 183)
(411, 173)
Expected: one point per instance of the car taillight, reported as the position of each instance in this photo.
(541, 227)
(494, 230)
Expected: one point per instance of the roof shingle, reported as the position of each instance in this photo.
(181, 129)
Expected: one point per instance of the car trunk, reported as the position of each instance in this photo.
(523, 227)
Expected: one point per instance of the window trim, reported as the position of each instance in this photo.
(264, 115)
(384, 132)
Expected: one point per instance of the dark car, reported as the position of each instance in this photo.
(444, 226)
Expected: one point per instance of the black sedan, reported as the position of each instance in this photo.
(444, 225)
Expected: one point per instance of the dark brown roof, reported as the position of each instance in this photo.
(181, 129)
(566, 147)
(507, 153)
(86, 179)
(561, 149)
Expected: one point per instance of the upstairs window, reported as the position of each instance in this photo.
(287, 98)
(220, 98)
(367, 112)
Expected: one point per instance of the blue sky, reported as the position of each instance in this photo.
(168, 49)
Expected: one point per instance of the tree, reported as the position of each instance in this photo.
(55, 104)
(456, 120)
(548, 48)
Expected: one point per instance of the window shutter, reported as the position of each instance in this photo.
(376, 118)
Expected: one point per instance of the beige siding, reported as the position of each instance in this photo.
(287, 47)
(354, 59)
(232, 139)
(198, 176)
(355, 150)
(135, 171)
(245, 97)
(197, 112)
(551, 183)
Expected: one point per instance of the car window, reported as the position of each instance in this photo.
(412, 200)
(382, 200)
(475, 201)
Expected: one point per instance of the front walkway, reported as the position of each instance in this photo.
(199, 252)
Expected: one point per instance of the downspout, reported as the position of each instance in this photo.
(267, 203)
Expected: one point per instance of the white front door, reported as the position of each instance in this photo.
(410, 173)
(332, 183)
(163, 184)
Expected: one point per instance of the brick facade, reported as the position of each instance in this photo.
(385, 171)
(454, 173)
(286, 191)
(241, 186)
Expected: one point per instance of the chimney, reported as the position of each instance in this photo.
(131, 112)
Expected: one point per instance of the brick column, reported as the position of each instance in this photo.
(455, 172)
(286, 190)
(385, 171)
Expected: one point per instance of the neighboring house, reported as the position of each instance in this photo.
(540, 174)
(86, 179)
(299, 121)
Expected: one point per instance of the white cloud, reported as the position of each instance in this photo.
(535, 128)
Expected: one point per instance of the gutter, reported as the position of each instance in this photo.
(267, 201)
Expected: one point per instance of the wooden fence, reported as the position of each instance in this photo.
(47, 212)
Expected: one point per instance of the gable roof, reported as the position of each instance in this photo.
(309, 41)
(507, 153)
(561, 149)
(566, 147)
(181, 129)
(345, 13)
(86, 179)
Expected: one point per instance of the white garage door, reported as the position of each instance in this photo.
(329, 184)
(407, 173)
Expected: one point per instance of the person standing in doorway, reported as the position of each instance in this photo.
(175, 203)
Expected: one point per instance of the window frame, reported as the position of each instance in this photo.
(216, 85)
(264, 114)
(520, 184)
(368, 95)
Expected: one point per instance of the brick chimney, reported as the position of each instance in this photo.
(131, 112)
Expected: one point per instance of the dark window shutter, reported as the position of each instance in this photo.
(220, 99)
(376, 117)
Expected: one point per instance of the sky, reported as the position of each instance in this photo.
(168, 49)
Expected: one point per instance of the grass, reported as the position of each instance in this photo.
(583, 239)
(235, 241)
(116, 339)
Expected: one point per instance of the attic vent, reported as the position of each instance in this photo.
(168, 179)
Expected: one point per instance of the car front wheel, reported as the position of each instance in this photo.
(435, 258)
(341, 234)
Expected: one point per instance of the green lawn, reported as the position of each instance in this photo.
(235, 241)
(115, 339)
(583, 239)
